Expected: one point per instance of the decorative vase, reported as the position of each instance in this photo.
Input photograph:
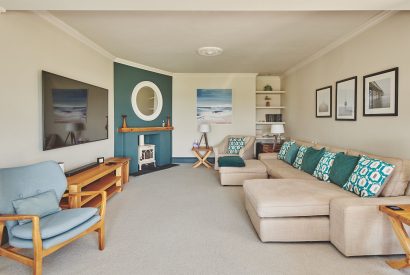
(124, 122)
(168, 121)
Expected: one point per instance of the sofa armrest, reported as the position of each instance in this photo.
(357, 227)
(247, 151)
(268, 156)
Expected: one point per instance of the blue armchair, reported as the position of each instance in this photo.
(21, 190)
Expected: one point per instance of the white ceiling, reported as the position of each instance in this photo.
(257, 42)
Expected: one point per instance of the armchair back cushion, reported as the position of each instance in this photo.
(26, 181)
(41, 205)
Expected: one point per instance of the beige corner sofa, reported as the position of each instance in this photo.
(294, 206)
(246, 152)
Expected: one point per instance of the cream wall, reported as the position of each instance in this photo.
(384, 46)
(28, 45)
(184, 108)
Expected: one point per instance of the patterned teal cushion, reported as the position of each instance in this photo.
(235, 144)
(299, 157)
(368, 177)
(284, 149)
(322, 169)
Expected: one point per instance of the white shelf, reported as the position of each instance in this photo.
(270, 92)
(271, 107)
(270, 123)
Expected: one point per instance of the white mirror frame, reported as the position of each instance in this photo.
(158, 94)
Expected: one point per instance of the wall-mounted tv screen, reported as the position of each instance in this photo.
(74, 112)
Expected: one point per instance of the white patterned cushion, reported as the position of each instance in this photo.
(284, 149)
(369, 177)
(235, 144)
(322, 170)
(299, 157)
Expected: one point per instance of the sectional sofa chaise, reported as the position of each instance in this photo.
(294, 206)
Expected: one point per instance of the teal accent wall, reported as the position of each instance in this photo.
(125, 79)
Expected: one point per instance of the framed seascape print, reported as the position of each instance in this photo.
(380, 93)
(214, 106)
(324, 102)
(346, 94)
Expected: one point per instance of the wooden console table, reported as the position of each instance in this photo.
(108, 176)
(397, 219)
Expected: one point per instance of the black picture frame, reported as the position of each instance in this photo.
(329, 90)
(337, 115)
(100, 160)
(395, 104)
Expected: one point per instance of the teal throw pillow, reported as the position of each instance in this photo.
(369, 177)
(231, 161)
(291, 154)
(42, 204)
(342, 168)
(284, 149)
(235, 144)
(322, 169)
(311, 159)
(299, 157)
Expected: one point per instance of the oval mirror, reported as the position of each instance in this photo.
(146, 100)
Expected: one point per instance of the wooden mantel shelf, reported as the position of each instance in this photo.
(144, 129)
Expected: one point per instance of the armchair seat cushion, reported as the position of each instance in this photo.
(55, 224)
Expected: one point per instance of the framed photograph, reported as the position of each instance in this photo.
(324, 102)
(346, 95)
(100, 160)
(380, 93)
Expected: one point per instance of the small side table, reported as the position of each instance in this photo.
(397, 218)
(202, 157)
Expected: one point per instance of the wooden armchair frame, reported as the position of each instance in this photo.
(39, 253)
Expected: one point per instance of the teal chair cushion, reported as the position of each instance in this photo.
(55, 224)
(50, 242)
(231, 161)
(41, 205)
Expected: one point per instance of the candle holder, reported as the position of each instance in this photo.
(124, 121)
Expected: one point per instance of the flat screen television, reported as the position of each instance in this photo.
(74, 112)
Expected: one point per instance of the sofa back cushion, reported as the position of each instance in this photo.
(303, 142)
(311, 159)
(397, 184)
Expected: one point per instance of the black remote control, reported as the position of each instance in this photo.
(394, 207)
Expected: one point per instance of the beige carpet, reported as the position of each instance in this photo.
(181, 221)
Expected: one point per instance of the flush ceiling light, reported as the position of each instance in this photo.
(210, 51)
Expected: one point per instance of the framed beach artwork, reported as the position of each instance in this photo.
(346, 94)
(214, 106)
(380, 93)
(324, 102)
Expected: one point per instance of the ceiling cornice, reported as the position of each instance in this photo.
(369, 24)
(141, 66)
(74, 33)
(88, 42)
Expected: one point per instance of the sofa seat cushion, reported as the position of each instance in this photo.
(55, 224)
(273, 198)
(279, 169)
(251, 166)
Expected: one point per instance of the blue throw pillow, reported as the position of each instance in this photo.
(231, 161)
(42, 204)
(291, 153)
